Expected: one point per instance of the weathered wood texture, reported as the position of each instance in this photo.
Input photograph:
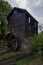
(21, 23)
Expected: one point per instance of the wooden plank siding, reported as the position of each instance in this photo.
(17, 22)
(21, 23)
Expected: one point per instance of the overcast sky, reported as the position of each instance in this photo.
(34, 7)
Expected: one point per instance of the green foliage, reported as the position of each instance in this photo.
(5, 9)
(27, 60)
(37, 42)
(3, 25)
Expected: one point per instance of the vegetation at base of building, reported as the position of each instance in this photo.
(37, 43)
(37, 46)
(3, 25)
(28, 60)
(5, 9)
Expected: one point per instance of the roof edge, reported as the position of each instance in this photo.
(22, 10)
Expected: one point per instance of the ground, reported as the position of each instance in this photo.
(15, 58)
(20, 58)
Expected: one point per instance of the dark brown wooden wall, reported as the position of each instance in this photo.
(17, 24)
(31, 28)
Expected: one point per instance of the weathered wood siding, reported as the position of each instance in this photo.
(31, 27)
(17, 24)
(22, 24)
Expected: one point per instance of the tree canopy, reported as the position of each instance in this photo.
(37, 42)
(5, 9)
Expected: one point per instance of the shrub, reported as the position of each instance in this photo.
(3, 26)
(37, 42)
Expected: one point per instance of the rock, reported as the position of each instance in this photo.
(25, 45)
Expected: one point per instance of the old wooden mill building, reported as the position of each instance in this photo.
(22, 23)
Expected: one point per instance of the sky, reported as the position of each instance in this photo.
(34, 7)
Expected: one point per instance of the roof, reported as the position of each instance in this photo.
(15, 8)
(20, 9)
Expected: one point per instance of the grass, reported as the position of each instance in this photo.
(27, 60)
(23, 61)
(10, 55)
(36, 62)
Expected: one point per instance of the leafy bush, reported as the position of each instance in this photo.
(3, 25)
(37, 42)
(5, 9)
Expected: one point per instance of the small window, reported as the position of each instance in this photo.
(29, 19)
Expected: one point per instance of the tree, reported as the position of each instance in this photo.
(5, 9)
(37, 42)
(3, 25)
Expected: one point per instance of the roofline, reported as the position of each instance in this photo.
(31, 15)
(13, 10)
(22, 10)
